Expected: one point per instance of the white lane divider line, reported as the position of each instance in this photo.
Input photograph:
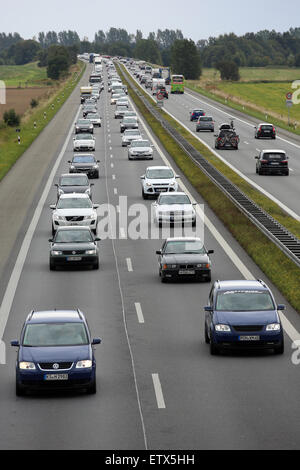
(139, 312)
(112, 165)
(118, 209)
(110, 148)
(122, 232)
(113, 177)
(247, 143)
(115, 191)
(158, 392)
(111, 156)
(129, 265)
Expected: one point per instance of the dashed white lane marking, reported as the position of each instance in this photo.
(122, 232)
(158, 392)
(118, 209)
(129, 265)
(247, 143)
(112, 165)
(110, 148)
(113, 177)
(111, 156)
(115, 191)
(139, 312)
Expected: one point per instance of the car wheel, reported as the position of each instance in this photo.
(92, 388)
(194, 223)
(53, 231)
(287, 173)
(280, 349)
(96, 265)
(145, 196)
(214, 350)
(52, 266)
(20, 392)
(163, 279)
(259, 172)
(97, 176)
(208, 278)
(206, 337)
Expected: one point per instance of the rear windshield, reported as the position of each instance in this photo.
(205, 119)
(274, 156)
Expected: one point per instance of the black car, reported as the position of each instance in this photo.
(265, 130)
(73, 246)
(73, 183)
(272, 162)
(84, 125)
(184, 258)
(227, 138)
(85, 163)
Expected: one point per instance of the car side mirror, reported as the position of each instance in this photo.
(92, 184)
(96, 341)
(56, 185)
(143, 177)
(50, 240)
(211, 252)
(97, 239)
(177, 176)
(194, 203)
(98, 161)
(256, 158)
(96, 206)
(208, 309)
(159, 252)
(15, 344)
(69, 161)
(52, 206)
(281, 307)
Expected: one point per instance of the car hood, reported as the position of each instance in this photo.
(83, 165)
(73, 189)
(140, 149)
(128, 138)
(73, 246)
(247, 318)
(160, 181)
(185, 258)
(174, 207)
(73, 212)
(83, 141)
(55, 353)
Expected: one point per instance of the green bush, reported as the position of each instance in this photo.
(34, 103)
(11, 118)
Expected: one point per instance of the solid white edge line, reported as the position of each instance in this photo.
(287, 325)
(139, 312)
(11, 288)
(158, 392)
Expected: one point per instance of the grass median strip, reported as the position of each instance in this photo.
(34, 122)
(272, 261)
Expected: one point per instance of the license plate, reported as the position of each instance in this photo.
(74, 258)
(186, 272)
(249, 338)
(161, 190)
(72, 224)
(56, 377)
(274, 163)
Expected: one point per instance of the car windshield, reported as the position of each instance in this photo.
(129, 120)
(83, 137)
(140, 143)
(274, 156)
(163, 173)
(130, 132)
(74, 181)
(94, 116)
(55, 334)
(84, 122)
(130, 114)
(74, 203)
(177, 199)
(82, 159)
(73, 236)
(244, 301)
(205, 119)
(185, 246)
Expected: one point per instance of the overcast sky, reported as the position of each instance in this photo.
(198, 19)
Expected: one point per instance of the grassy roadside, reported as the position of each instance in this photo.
(10, 150)
(24, 75)
(264, 253)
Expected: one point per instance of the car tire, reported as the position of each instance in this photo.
(52, 266)
(194, 223)
(97, 176)
(280, 349)
(163, 279)
(53, 231)
(208, 278)
(206, 337)
(20, 392)
(214, 350)
(145, 196)
(287, 173)
(92, 390)
(96, 265)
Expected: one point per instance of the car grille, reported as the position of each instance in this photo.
(61, 365)
(246, 328)
(187, 266)
(74, 252)
(175, 213)
(75, 219)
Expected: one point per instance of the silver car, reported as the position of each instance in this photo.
(130, 135)
(140, 149)
(128, 123)
(205, 123)
(120, 112)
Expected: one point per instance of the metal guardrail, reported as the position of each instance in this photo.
(276, 232)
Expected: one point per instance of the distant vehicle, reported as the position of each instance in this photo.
(243, 315)
(120, 112)
(95, 78)
(272, 162)
(73, 246)
(162, 90)
(196, 113)
(89, 108)
(140, 149)
(128, 123)
(85, 92)
(75, 210)
(83, 142)
(148, 83)
(184, 258)
(85, 163)
(158, 179)
(177, 84)
(84, 125)
(73, 183)
(174, 208)
(156, 84)
(148, 69)
(227, 138)
(205, 123)
(156, 73)
(265, 130)
(129, 135)
(94, 118)
(55, 352)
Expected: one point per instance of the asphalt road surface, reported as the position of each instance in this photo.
(158, 386)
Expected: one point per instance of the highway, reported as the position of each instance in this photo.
(283, 190)
(158, 386)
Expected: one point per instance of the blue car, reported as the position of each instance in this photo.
(55, 352)
(243, 315)
(196, 113)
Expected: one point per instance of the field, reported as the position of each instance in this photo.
(19, 98)
(24, 75)
(260, 93)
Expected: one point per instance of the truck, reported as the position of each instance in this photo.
(177, 84)
(156, 84)
(85, 92)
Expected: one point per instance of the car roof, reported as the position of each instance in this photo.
(48, 316)
(159, 168)
(175, 193)
(273, 151)
(265, 124)
(242, 285)
(83, 155)
(184, 239)
(73, 227)
(72, 175)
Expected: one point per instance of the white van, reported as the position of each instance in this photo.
(156, 83)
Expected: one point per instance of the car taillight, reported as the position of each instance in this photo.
(264, 161)
(274, 130)
(284, 161)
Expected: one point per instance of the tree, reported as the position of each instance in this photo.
(25, 51)
(147, 49)
(11, 118)
(185, 59)
(58, 61)
(229, 70)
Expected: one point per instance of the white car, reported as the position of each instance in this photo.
(123, 101)
(115, 97)
(83, 142)
(158, 179)
(140, 149)
(130, 135)
(174, 208)
(95, 119)
(74, 209)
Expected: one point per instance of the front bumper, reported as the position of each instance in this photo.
(35, 380)
(267, 340)
(155, 191)
(140, 156)
(176, 219)
(83, 260)
(84, 148)
(176, 274)
(92, 223)
(90, 172)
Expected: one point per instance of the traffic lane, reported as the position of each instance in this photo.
(96, 293)
(165, 314)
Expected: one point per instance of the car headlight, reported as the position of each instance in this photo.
(89, 217)
(27, 366)
(72, 167)
(58, 217)
(203, 265)
(223, 328)
(273, 327)
(84, 364)
(60, 191)
(173, 183)
(56, 253)
(90, 252)
(88, 191)
(148, 184)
